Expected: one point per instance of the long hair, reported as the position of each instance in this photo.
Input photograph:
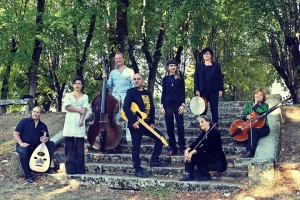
(174, 62)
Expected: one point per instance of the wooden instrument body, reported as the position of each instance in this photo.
(104, 122)
(104, 107)
(244, 126)
(40, 158)
(140, 117)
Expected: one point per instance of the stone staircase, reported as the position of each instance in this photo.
(114, 169)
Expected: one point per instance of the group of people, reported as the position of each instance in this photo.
(206, 152)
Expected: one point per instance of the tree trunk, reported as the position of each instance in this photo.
(122, 28)
(5, 83)
(37, 51)
(153, 63)
(131, 44)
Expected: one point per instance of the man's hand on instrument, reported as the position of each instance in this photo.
(181, 110)
(136, 125)
(198, 93)
(24, 144)
(44, 139)
(220, 94)
(152, 126)
(104, 75)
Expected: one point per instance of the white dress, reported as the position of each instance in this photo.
(71, 126)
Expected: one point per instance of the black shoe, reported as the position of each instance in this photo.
(204, 178)
(141, 174)
(30, 179)
(186, 177)
(248, 154)
(158, 164)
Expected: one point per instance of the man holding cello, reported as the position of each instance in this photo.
(120, 79)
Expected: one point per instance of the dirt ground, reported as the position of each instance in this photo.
(12, 187)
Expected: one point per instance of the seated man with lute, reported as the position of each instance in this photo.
(28, 135)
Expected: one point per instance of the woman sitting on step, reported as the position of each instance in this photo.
(206, 153)
(259, 106)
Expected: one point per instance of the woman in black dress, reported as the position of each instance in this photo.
(206, 153)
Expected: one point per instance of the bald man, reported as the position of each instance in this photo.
(28, 135)
(143, 98)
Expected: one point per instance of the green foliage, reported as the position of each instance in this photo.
(235, 29)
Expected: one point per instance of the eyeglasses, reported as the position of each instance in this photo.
(137, 79)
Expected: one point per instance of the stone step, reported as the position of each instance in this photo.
(192, 117)
(226, 109)
(176, 160)
(171, 171)
(192, 124)
(194, 132)
(221, 104)
(134, 183)
(188, 140)
(148, 149)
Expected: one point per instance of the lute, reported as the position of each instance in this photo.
(40, 158)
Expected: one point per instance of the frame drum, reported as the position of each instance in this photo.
(198, 105)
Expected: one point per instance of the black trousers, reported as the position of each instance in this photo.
(26, 152)
(257, 133)
(202, 169)
(74, 153)
(171, 111)
(213, 100)
(136, 136)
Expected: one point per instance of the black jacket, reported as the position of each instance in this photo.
(217, 77)
(134, 95)
(210, 150)
(173, 90)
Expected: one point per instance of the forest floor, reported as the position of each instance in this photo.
(12, 187)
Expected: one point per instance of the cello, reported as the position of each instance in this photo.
(239, 128)
(104, 133)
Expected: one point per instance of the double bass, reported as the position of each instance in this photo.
(104, 133)
(239, 128)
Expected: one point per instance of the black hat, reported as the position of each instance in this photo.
(172, 62)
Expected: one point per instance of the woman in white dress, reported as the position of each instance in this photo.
(76, 103)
